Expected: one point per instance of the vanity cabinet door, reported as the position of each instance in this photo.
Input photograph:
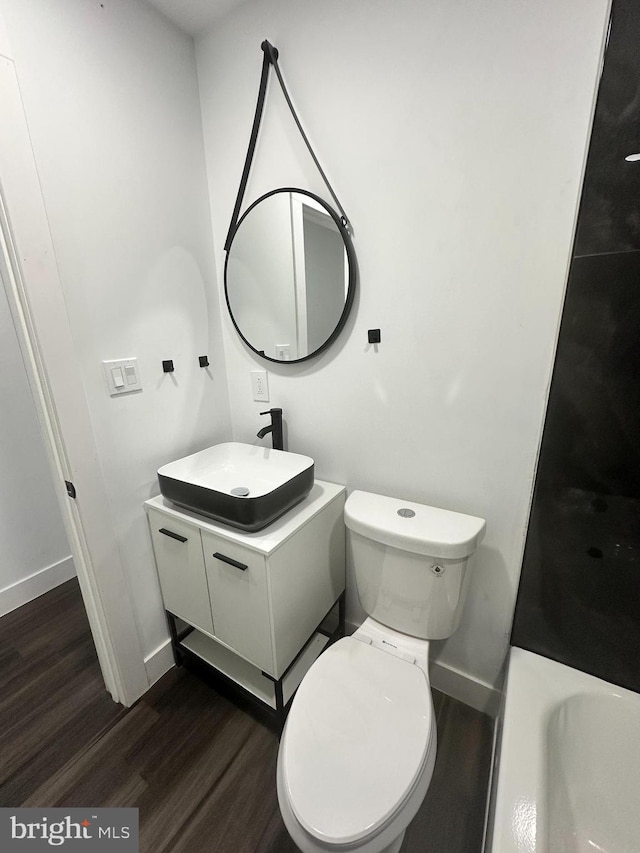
(180, 563)
(238, 588)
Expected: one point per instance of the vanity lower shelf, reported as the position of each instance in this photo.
(275, 695)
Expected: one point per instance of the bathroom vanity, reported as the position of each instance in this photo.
(252, 605)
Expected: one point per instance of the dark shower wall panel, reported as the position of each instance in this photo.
(579, 595)
(609, 218)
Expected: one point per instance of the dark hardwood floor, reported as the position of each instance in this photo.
(200, 767)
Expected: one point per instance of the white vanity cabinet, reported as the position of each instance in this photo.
(253, 602)
(239, 597)
(177, 547)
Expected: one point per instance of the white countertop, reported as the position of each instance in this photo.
(271, 537)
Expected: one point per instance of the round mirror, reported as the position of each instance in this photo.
(289, 276)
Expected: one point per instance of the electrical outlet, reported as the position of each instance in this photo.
(260, 385)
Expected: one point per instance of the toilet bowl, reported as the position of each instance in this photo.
(364, 722)
(358, 749)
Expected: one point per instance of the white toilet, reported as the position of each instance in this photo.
(359, 745)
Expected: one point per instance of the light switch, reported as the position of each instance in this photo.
(118, 379)
(122, 376)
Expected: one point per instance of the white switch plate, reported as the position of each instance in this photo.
(122, 376)
(260, 385)
(283, 352)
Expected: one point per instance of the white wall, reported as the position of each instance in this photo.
(111, 98)
(454, 134)
(5, 47)
(33, 544)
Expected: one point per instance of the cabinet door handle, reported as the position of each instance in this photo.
(242, 566)
(172, 534)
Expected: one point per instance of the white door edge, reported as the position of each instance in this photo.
(29, 273)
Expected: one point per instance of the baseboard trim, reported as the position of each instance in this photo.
(464, 687)
(25, 590)
(159, 662)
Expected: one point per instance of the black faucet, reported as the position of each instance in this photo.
(275, 428)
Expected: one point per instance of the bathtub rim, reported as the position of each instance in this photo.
(535, 686)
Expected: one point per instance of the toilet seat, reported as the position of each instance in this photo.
(357, 739)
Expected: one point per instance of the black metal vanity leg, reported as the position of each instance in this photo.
(277, 686)
(342, 613)
(173, 630)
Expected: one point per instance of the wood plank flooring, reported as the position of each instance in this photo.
(200, 767)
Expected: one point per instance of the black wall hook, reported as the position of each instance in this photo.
(167, 366)
(203, 361)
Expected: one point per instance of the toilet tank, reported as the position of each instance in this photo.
(411, 562)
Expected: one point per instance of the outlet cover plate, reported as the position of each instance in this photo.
(260, 386)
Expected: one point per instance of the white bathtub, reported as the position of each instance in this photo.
(568, 773)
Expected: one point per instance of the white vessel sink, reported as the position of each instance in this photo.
(238, 484)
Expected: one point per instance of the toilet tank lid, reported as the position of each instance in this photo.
(414, 527)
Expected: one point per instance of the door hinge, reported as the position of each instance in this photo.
(71, 489)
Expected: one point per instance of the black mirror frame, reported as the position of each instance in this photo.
(351, 288)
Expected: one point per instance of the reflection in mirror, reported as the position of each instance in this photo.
(289, 275)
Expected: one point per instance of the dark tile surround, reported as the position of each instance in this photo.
(579, 595)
